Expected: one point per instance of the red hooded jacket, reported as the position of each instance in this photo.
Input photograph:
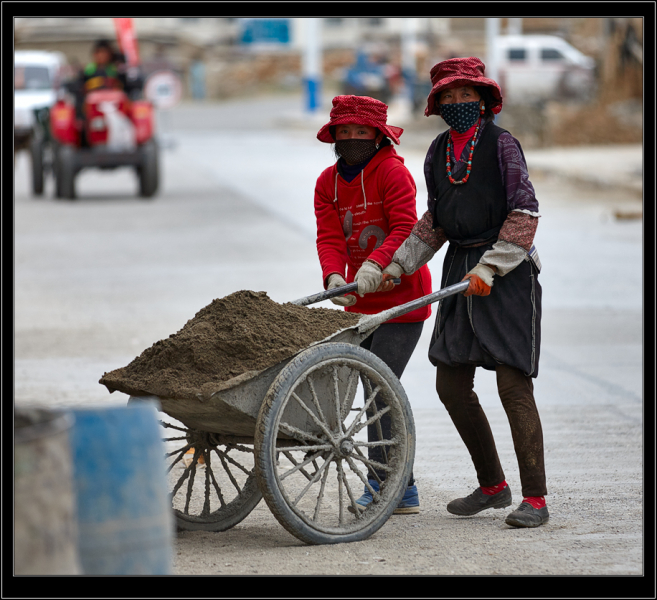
(371, 217)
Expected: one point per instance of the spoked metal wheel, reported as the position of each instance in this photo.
(313, 457)
(217, 487)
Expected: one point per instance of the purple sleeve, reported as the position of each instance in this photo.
(515, 177)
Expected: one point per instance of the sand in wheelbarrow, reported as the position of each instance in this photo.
(240, 333)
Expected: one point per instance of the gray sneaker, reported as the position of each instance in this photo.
(478, 501)
(528, 516)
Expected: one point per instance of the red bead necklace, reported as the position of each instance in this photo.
(469, 168)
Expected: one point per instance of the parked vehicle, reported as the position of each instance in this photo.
(535, 68)
(36, 78)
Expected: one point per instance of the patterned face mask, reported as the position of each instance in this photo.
(356, 151)
(460, 116)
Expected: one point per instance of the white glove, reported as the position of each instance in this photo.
(368, 278)
(334, 281)
(394, 269)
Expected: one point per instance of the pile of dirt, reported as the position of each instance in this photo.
(245, 331)
(617, 123)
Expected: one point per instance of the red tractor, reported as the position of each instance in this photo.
(86, 142)
(104, 121)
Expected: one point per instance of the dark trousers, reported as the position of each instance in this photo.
(393, 343)
(455, 389)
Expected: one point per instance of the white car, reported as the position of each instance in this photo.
(539, 67)
(36, 77)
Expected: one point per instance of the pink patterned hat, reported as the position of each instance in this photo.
(361, 110)
(457, 72)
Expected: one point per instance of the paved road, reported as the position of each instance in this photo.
(100, 279)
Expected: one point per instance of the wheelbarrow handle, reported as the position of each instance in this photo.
(368, 322)
(338, 291)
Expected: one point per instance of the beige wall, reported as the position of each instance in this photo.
(232, 70)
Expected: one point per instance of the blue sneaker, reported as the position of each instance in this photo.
(409, 505)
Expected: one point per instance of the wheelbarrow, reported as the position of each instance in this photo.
(296, 433)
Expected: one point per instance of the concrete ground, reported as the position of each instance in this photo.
(101, 278)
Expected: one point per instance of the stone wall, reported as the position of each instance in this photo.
(233, 74)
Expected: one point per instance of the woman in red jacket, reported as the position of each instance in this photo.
(365, 208)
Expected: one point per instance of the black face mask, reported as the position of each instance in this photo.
(460, 116)
(356, 151)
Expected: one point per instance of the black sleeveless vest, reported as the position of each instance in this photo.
(473, 212)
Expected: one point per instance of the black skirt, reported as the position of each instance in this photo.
(502, 328)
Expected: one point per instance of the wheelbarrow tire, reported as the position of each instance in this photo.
(321, 521)
(206, 484)
(223, 519)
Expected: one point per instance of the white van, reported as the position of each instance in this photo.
(36, 74)
(539, 67)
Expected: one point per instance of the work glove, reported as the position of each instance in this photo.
(368, 278)
(392, 271)
(481, 280)
(334, 281)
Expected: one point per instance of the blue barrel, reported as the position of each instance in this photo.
(125, 520)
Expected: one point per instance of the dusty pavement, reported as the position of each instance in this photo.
(99, 279)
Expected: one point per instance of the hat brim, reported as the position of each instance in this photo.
(451, 82)
(324, 135)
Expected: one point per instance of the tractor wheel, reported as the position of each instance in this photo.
(148, 170)
(36, 154)
(65, 172)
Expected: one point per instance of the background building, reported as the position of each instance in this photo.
(234, 63)
(219, 58)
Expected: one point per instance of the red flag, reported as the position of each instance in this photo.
(125, 33)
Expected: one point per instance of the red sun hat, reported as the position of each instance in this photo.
(361, 110)
(457, 72)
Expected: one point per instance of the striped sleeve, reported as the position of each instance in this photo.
(520, 193)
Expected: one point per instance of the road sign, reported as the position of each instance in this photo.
(163, 89)
(265, 31)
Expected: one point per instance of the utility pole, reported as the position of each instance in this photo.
(514, 26)
(409, 66)
(312, 71)
(492, 32)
